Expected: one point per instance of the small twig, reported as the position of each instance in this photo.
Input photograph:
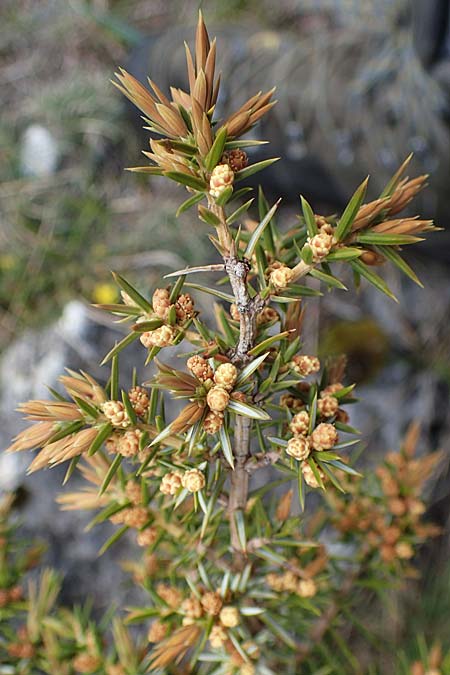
(219, 267)
(261, 461)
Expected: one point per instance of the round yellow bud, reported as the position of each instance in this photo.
(115, 412)
(298, 447)
(147, 537)
(309, 476)
(226, 375)
(306, 588)
(305, 365)
(213, 422)
(171, 483)
(160, 337)
(222, 177)
(217, 637)
(320, 245)
(217, 398)
(192, 607)
(193, 480)
(128, 443)
(229, 616)
(300, 423)
(200, 368)
(281, 277)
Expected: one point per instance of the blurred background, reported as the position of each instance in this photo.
(360, 84)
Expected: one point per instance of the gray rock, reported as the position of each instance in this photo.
(39, 153)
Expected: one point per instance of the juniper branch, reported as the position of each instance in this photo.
(248, 308)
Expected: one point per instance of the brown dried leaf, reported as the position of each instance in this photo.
(283, 509)
(161, 96)
(172, 120)
(236, 126)
(136, 93)
(317, 565)
(34, 437)
(294, 320)
(210, 67)
(50, 410)
(405, 192)
(64, 449)
(190, 67)
(83, 386)
(191, 414)
(174, 648)
(202, 44)
(369, 212)
(200, 90)
(255, 116)
(411, 439)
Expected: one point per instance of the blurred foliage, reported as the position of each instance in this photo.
(364, 343)
(56, 60)
(61, 232)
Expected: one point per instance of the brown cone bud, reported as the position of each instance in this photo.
(133, 491)
(305, 365)
(371, 258)
(128, 443)
(184, 307)
(160, 337)
(192, 607)
(331, 389)
(200, 368)
(309, 476)
(324, 437)
(217, 637)
(267, 315)
(170, 594)
(300, 423)
(212, 603)
(147, 537)
(135, 516)
(139, 399)
(213, 422)
(161, 302)
(238, 396)
(157, 631)
(234, 312)
(236, 159)
(327, 406)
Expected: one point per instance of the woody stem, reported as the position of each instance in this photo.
(248, 308)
